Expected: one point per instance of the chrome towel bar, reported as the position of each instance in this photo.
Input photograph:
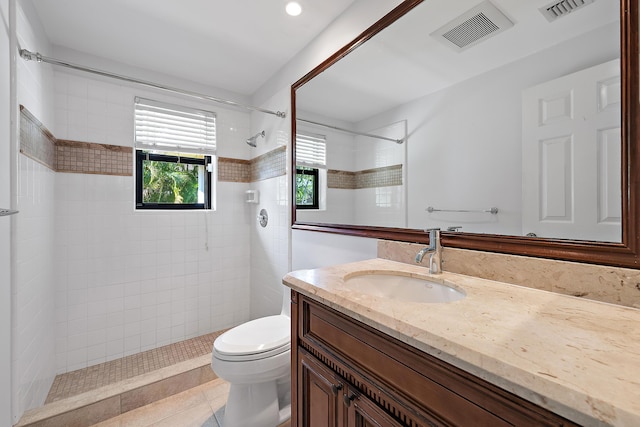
(493, 211)
(7, 212)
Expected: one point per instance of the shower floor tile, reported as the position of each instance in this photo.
(93, 377)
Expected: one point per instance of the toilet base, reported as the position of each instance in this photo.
(254, 405)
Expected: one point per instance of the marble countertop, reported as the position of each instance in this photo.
(575, 357)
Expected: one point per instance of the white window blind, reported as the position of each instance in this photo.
(311, 149)
(166, 127)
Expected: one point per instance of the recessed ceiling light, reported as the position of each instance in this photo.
(293, 8)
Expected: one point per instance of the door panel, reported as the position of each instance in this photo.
(320, 406)
(571, 177)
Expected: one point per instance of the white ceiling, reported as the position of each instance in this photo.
(235, 45)
(404, 62)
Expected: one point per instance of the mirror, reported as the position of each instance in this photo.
(510, 135)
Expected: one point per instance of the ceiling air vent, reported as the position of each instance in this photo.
(473, 27)
(558, 9)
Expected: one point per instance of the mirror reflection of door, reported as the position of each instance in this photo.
(571, 155)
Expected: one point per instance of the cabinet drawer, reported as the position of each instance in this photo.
(416, 388)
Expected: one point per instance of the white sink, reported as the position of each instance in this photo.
(403, 288)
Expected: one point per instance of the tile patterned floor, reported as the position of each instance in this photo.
(93, 377)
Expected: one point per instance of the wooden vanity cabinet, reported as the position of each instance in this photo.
(346, 373)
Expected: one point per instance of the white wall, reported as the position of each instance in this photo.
(464, 141)
(386, 205)
(270, 245)
(352, 22)
(5, 223)
(33, 288)
(314, 249)
(337, 205)
(127, 280)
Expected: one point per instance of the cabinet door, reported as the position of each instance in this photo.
(319, 394)
(362, 412)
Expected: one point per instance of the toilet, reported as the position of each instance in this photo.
(255, 358)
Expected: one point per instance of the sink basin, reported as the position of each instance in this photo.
(403, 288)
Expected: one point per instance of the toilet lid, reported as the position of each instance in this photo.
(258, 336)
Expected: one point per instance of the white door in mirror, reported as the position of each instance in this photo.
(571, 156)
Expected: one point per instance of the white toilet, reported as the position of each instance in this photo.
(255, 358)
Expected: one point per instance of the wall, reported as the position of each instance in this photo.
(269, 258)
(357, 186)
(33, 316)
(474, 130)
(6, 28)
(337, 205)
(127, 280)
(313, 249)
(381, 201)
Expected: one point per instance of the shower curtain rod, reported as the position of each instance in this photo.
(397, 141)
(34, 56)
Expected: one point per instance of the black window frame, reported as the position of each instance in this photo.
(142, 155)
(305, 170)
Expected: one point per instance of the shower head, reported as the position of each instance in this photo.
(252, 141)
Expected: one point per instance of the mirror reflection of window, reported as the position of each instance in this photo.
(310, 157)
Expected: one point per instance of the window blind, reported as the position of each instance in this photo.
(311, 149)
(167, 127)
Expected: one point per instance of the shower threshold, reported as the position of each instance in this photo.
(96, 393)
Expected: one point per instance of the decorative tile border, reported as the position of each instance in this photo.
(234, 170)
(37, 143)
(62, 155)
(269, 165)
(84, 157)
(370, 178)
(341, 179)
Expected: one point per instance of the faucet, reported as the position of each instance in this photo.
(434, 250)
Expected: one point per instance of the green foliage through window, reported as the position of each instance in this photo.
(165, 182)
(172, 181)
(306, 188)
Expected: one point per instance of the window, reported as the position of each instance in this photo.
(175, 154)
(310, 156)
(306, 188)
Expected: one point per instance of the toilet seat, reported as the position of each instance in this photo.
(254, 340)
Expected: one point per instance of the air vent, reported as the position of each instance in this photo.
(558, 9)
(473, 27)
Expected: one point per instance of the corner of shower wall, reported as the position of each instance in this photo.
(270, 244)
(33, 287)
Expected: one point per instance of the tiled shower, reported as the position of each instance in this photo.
(98, 281)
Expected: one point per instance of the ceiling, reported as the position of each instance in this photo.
(233, 45)
(405, 61)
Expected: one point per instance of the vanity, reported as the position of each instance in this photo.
(501, 355)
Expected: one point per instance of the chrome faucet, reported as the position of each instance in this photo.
(434, 250)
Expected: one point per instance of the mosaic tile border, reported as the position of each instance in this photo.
(234, 170)
(36, 142)
(60, 155)
(39, 144)
(90, 158)
(269, 165)
(386, 176)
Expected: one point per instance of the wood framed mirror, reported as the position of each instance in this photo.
(623, 250)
